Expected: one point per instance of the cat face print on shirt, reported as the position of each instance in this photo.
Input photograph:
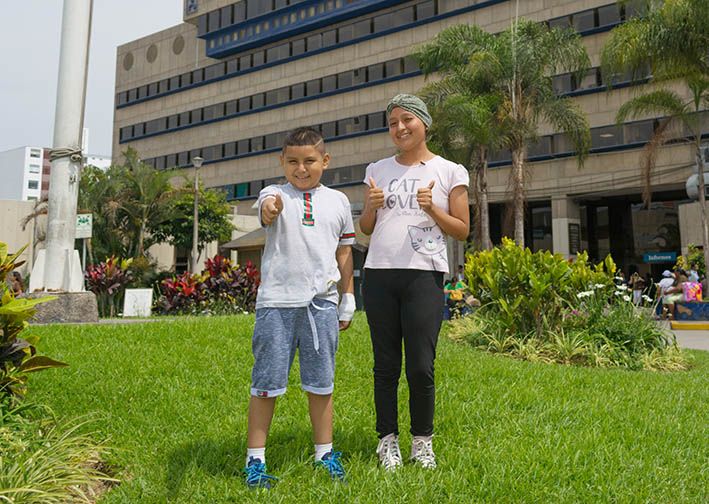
(427, 240)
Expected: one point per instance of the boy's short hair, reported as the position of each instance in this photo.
(304, 136)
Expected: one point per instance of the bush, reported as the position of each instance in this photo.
(108, 280)
(18, 355)
(221, 289)
(539, 306)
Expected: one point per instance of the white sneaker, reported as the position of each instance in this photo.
(422, 452)
(389, 453)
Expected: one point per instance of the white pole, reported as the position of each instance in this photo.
(68, 125)
(197, 162)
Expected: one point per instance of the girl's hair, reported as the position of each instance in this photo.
(304, 136)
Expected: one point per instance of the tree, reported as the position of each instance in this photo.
(516, 65)
(214, 219)
(673, 38)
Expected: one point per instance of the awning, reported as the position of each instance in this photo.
(254, 239)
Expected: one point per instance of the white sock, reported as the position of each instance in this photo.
(321, 450)
(257, 453)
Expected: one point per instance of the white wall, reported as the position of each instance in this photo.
(11, 233)
(12, 174)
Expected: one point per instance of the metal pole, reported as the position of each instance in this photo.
(68, 125)
(197, 162)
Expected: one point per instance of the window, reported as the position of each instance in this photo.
(258, 58)
(142, 92)
(132, 95)
(232, 107)
(276, 53)
(588, 81)
(345, 33)
(32, 184)
(606, 136)
(561, 144)
(186, 79)
(277, 96)
(312, 87)
(160, 163)
(213, 21)
(214, 71)
(239, 12)
(640, 131)
(258, 100)
(404, 16)
(173, 121)
(314, 42)
(126, 133)
(375, 72)
(183, 158)
(257, 144)
(123, 98)
(232, 66)
(541, 148)
(583, 21)
(171, 161)
(393, 68)
(345, 79)
(298, 47)
(297, 91)
(272, 141)
(245, 104)
(226, 16)
(560, 22)
(329, 83)
(175, 82)
(195, 153)
(34, 168)
(154, 126)
(152, 89)
(255, 187)
(241, 190)
(245, 62)
(329, 38)
(562, 83)
(362, 28)
(329, 129)
(610, 14)
(202, 25)
(197, 75)
(242, 147)
(425, 10)
(410, 64)
(139, 130)
(376, 120)
(196, 116)
(383, 22)
(229, 149)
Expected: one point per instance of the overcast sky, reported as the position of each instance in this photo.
(29, 64)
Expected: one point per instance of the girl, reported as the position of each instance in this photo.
(415, 200)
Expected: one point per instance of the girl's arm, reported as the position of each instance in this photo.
(456, 222)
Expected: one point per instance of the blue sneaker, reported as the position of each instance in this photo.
(331, 461)
(256, 475)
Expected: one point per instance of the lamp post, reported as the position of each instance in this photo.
(197, 163)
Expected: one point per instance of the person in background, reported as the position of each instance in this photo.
(674, 294)
(460, 275)
(637, 284)
(693, 273)
(16, 283)
(620, 278)
(454, 291)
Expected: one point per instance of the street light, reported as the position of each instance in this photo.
(197, 163)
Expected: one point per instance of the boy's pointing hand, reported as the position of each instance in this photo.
(271, 209)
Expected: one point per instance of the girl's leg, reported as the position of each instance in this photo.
(421, 317)
(382, 307)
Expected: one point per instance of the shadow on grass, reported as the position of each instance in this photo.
(224, 457)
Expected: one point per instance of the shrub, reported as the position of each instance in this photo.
(221, 289)
(695, 256)
(539, 306)
(18, 355)
(108, 280)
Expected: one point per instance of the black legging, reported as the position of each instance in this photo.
(404, 304)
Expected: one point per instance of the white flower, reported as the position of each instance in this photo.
(618, 293)
(647, 298)
(621, 287)
(584, 294)
(599, 286)
(626, 298)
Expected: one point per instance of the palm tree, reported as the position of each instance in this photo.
(673, 38)
(516, 65)
(465, 129)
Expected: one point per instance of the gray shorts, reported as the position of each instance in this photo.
(279, 332)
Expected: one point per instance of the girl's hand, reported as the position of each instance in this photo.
(424, 197)
(375, 197)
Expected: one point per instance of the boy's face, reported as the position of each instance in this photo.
(303, 166)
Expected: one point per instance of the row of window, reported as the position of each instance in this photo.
(371, 123)
(331, 178)
(313, 41)
(312, 88)
(591, 80)
(604, 16)
(237, 13)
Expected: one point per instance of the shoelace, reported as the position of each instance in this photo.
(256, 474)
(390, 455)
(333, 464)
(423, 452)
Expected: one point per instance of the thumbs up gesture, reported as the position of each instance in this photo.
(271, 209)
(375, 197)
(424, 197)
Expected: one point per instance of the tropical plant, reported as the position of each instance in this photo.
(695, 256)
(516, 65)
(672, 38)
(18, 355)
(108, 280)
(214, 222)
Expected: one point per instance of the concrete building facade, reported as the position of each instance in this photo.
(22, 173)
(229, 82)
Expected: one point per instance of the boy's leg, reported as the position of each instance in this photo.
(320, 408)
(260, 416)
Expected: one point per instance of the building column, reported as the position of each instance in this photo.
(565, 226)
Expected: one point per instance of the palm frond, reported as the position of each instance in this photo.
(660, 102)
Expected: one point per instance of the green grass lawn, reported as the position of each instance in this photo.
(171, 397)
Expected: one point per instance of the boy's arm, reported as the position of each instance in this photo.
(346, 286)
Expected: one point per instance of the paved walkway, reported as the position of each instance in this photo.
(698, 340)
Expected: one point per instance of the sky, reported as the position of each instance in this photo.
(29, 64)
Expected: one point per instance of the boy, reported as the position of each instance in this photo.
(309, 233)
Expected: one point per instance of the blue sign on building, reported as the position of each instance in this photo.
(660, 257)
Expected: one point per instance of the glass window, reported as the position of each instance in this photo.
(213, 22)
(312, 87)
(329, 83)
(501, 156)
(404, 16)
(375, 72)
(186, 79)
(184, 118)
(258, 58)
(139, 130)
(175, 82)
(154, 126)
(226, 17)
(132, 94)
(183, 158)
(257, 7)
(279, 4)
(126, 133)
(142, 91)
(329, 38)
(33, 184)
(328, 177)
(297, 91)
(123, 98)
(208, 113)
(606, 136)
(610, 14)
(271, 97)
(640, 131)
(393, 67)
(271, 141)
(214, 71)
(170, 161)
(202, 25)
(197, 75)
(561, 144)
(258, 100)
(229, 149)
(383, 22)
(562, 83)
(257, 144)
(34, 168)
(231, 108)
(359, 76)
(589, 81)
(232, 66)
(239, 13)
(362, 28)
(242, 147)
(160, 163)
(425, 10)
(194, 153)
(209, 153)
(583, 21)
(245, 104)
(329, 129)
(376, 120)
(345, 33)
(245, 62)
(241, 190)
(152, 89)
(345, 79)
(410, 64)
(314, 42)
(350, 125)
(164, 86)
(277, 53)
(255, 187)
(298, 47)
(560, 22)
(542, 147)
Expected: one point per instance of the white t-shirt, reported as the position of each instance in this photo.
(299, 261)
(406, 237)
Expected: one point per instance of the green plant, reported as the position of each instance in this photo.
(695, 256)
(18, 355)
(108, 281)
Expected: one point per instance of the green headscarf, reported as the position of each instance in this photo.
(412, 104)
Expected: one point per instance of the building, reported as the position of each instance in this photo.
(23, 173)
(229, 82)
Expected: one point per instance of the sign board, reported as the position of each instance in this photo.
(574, 238)
(660, 257)
(84, 225)
(137, 302)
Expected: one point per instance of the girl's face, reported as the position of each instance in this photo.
(406, 130)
